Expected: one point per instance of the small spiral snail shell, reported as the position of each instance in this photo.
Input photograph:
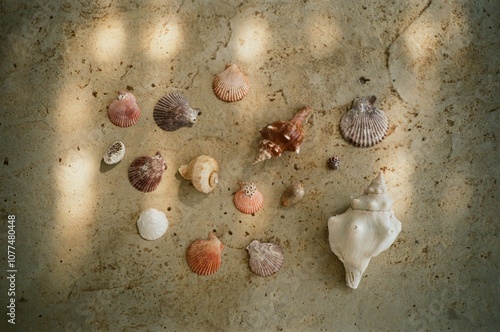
(202, 171)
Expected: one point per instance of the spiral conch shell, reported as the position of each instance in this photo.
(281, 136)
(202, 171)
(366, 229)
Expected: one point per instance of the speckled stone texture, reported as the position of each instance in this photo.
(82, 266)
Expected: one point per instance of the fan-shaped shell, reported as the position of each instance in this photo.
(248, 199)
(152, 224)
(204, 256)
(124, 111)
(265, 258)
(292, 194)
(115, 153)
(364, 125)
(145, 172)
(202, 171)
(231, 85)
(172, 112)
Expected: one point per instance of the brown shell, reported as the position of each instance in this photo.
(248, 199)
(292, 194)
(281, 136)
(204, 256)
(265, 258)
(145, 172)
(231, 85)
(124, 111)
(172, 112)
(364, 125)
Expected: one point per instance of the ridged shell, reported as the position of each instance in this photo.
(202, 171)
(145, 172)
(281, 136)
(115, 153)
(124, 111)
(265, 258)
(231, 85)
(204, 256)
(172, 112)
(152, 224)
(364, 125)
(292, 194)
(248, 199)
(333, 162)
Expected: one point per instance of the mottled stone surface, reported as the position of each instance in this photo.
(82, 266)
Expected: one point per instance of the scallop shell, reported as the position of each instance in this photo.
(172, 112)
(292, 194)
(124, 111)
(333, 162)
(204, 256)
(202, 171)
(364, 125)
(145, 172)
(152, 224)
(265, 258)
(115, 153)
(248, 199)
(231, 85)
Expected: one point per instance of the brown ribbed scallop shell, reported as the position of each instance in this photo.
(281, 136)
(364, 125)
(204, 256)
(231, 85)
(145, 172)
(265, 258)
(172, 112)
(124, 111)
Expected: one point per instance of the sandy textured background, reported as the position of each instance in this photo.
(82, 266)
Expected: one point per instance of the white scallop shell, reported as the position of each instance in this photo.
(115, 153)
(152, 224)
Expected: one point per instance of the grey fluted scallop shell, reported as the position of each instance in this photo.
(265, 258)
(115, 153)
(364, 125)
(145, 172)
(172, 112)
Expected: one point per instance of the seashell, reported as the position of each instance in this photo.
(231, 85)
(145, 172)
(333, 162)
(366, 229)
(292, 194)
(204, 256)
(202, 171)
(152, 224)
(115, 153)
(364, 125)
(172, 112)
(124, 111)
(282, 136)
(265, 258)
(248, 199)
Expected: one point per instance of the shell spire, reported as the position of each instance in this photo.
(281, 136)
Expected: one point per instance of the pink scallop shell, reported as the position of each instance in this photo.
(231, 85)
(124, 111)
(145, 172)
(248, 199)
(265, 258)
(204, 256)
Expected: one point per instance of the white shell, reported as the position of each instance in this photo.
(115, 153)
(202, 171)
(366, 229)
(152, 224)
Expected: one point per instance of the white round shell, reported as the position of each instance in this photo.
(152, 224)
(115, 153)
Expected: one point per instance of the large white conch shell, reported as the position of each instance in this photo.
(366, 229)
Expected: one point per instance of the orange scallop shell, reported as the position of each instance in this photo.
(204, 256)
(231, 85)
(248, 199)
(124, 111)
